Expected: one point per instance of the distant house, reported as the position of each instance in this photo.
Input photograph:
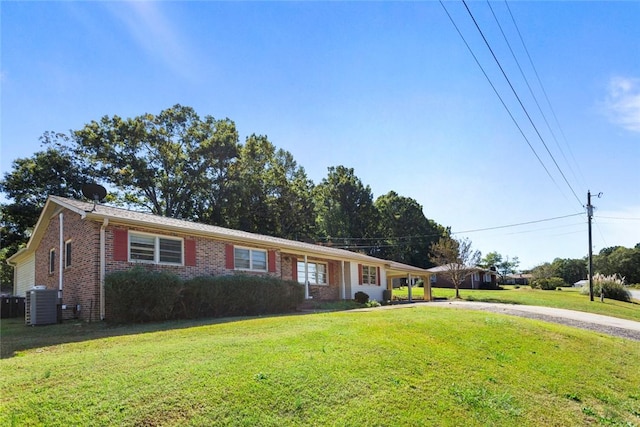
(478, 278)
(518, 279)
(75, 244)
(580, 283)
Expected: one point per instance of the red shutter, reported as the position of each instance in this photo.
(190, 252)
(294, 269)
(378, 276)
(271, 255)
(360, 274)
(332, 272)
(229, 261)
(120, 244)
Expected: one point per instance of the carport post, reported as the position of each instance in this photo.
(409, 285)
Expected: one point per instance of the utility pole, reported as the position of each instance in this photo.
(589, 215)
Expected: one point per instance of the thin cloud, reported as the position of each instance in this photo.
(623, 102)
(155, 34)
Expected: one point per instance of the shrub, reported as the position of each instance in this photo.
(372, 303)
(361, 297)
(612, 286)
(239, 295)
(547, 284)
(138, 295)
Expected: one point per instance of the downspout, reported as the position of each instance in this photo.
(306, 278)
(343, 290)
(103, 251)
(61, 255)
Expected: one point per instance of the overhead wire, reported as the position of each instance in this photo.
(364, 246)
(542, 87)
(526, 80)
(495, 90)
(515, 93)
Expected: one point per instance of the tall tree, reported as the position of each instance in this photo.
(570, 270)
(271, 193)
(503, 265)
(619, 260)
(54, 171)
(164, 163)
(457, 257)
(406, 234)
(345, 211)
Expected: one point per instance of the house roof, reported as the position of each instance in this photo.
(122, 216)
(447, 267)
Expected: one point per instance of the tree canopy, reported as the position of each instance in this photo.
(178, 164)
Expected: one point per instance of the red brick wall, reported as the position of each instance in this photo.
(328, 292)
(210, 257)
(81, 285)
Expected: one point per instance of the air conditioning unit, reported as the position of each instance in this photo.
(41, 306)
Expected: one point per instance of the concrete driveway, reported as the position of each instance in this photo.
(635, 294)
(595, 322)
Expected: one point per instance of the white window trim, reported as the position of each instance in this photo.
(369, 275)
(476, 277)
(251, 251)
(326, 273)
(52, 260)
(156, 248)
(67, 246)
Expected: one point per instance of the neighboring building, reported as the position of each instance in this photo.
(518, 279)
(478, 278)
(75, 244)
(581, 283)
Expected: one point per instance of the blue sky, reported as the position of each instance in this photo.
(387, 88)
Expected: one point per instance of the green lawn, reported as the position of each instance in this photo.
(568, 298)
(416, 365)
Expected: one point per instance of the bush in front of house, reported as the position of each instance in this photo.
(361, 297)
(612, 286)
(239, 295)
(138, 295)
(547, 284)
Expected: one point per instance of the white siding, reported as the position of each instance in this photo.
(374, 292)
(25, 276)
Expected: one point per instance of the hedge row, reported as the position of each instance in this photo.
(138, 295)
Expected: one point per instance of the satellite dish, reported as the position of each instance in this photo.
(95, 192)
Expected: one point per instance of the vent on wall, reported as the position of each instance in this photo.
(41, 307)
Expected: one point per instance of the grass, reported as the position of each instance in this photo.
(417, 365)
(568, 298)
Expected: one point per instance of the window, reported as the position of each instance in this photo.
(67, 254)
(317, 273)
(250, 259)
(156, 249)
(476, 277)
(369, 275)
(487, 278)
(52, 261)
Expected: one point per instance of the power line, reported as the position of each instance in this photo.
(438, 234)
(553, 112)
(517, 225)
(515, 93)
(618, 217)
(526, 80)
(515, 122)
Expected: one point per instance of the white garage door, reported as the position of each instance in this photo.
(25, 275)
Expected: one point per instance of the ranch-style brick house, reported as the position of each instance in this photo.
(478, 278)
(75, 244)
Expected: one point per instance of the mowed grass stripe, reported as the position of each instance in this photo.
(413, 366)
